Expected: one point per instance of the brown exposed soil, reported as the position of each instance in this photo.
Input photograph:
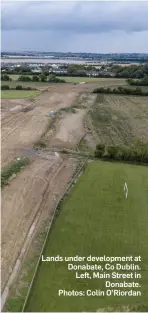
(21, 129)
(30, 198)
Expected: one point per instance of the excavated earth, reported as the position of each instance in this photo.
(31, 197)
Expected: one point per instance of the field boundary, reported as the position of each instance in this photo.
(86, 126)
(64, 195)
(78, 144)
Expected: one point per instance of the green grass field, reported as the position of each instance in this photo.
(14, 83)
(93, 79)
(19, 94)
(83, 79)
(97, 220)
(14, 76)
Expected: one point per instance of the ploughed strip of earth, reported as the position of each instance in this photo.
(31, 197)
(23, 128)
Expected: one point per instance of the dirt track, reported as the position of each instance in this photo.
(21, 129)
(36, 189)
(69, 130)
(32, 194)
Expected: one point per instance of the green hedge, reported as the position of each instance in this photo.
(121, 90)
(13, 168)
(138, 82)
(5, 87)
(18, 87)
(137, 153)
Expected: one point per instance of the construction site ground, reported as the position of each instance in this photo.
(30, 198)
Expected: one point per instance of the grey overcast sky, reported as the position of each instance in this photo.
(75, 26)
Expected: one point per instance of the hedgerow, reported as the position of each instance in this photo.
(13, 168)
(137, 153)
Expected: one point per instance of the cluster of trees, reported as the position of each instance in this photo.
(122, 90)
(53, 79)
(17, 69)
(5, 77)
(138, 153)
(18, 87)
(131, 71)
(138, 82)
(41, 78)
(72, 70)
(76, 70)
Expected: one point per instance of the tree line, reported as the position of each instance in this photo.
(35, 78)
(121, 90)
(18, 87)
(41, 78)
(131, 71)
(137, 153)
(82, 70)
(138, 82)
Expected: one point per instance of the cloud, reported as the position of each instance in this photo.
(108, 26)
(75, 17)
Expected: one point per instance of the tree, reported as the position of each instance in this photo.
(19, 87)
(5, 77)
(5, 87)
(22, 69)
(100, 146)
(43, 77)
(35, 78)
(24, 78)
(111, 151)
(100, 150)
(52, 78)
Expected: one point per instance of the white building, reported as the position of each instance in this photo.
(55, 66)
(36, 70)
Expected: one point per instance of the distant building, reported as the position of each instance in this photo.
(92, 74)
(36, 70)
(55, 66)
(57, 71)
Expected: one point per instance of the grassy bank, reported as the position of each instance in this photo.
(93, 79)
(71, 79)
(19, 94)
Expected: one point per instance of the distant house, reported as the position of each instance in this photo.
(55, 66)
(57, 71)
(36, 70)
(92, 74)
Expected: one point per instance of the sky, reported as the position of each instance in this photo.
(75, 26)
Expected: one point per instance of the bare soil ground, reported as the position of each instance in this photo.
(69, 130)
(21, 129)
(37, 189)
(30, 198)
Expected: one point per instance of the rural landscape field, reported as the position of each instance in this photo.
(29, 197)
(56, 148)
(74, 156)
(120, 119)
